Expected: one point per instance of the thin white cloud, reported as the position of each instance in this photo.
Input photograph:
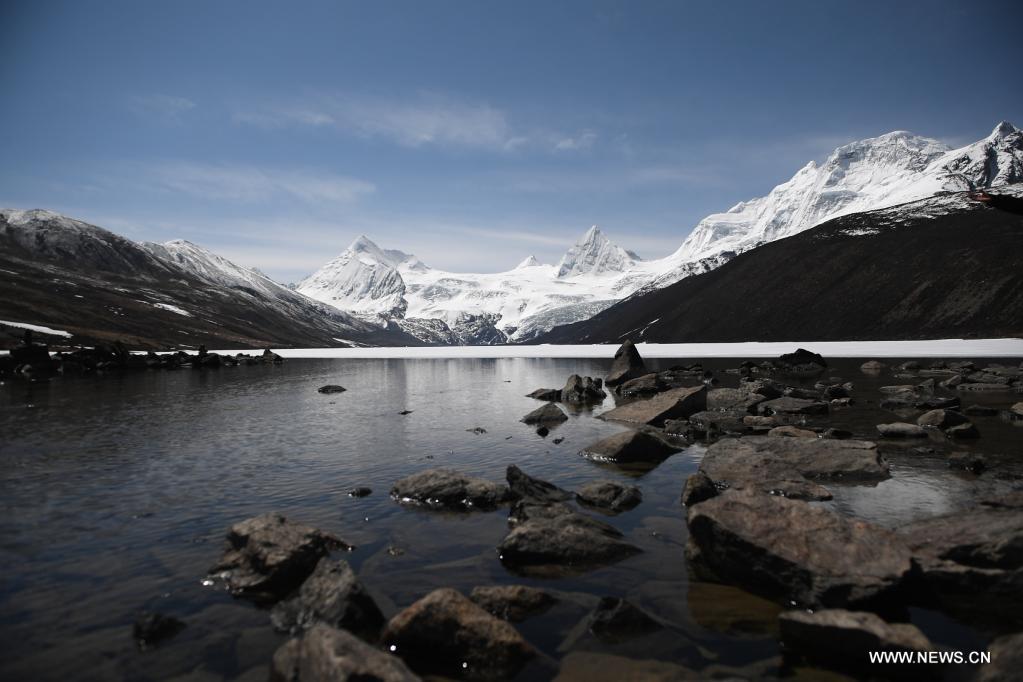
(244, 183)
(168, 108)
(582, 141)
(421, 120)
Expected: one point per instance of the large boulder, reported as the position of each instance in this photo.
(674, 404)
(582, 391)
(836, 638)
(512, 602)
(547, 415)
(802, 363)
(790, 405)
(714, 423)
(627, 364)
(268, 556)
(445, 633)
(1006, 660)
(792, 551)
(334, 596)
(972, 561)
(525, 487)
(553, 538)
(609, 496)
(447, 489)
(790, 467)
(326, 654)
(630, 446)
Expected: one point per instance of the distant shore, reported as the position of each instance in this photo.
(943, 348)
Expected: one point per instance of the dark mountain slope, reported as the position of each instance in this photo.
(943, 267)
(100, 287)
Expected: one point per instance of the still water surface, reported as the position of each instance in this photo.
(117, 491)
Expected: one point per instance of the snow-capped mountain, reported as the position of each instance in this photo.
(477, 307)
(869, 174)
(595, 273)
(101, 287)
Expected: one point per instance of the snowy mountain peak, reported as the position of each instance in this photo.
(1003, 129)
(529, 262)
(363, 277)
(594, 254)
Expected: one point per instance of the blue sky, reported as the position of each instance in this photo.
(469, 133)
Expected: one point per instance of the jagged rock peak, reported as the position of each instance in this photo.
(594, 254)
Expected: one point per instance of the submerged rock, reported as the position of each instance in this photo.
(790, 431)
(326, 654)
(331, 388)
(627, 365)
(901, 430)
(152, 628)
(512, 602)
(789, 550)
(526, 487)
(445, 633)
(334, 596)
(836, 638)
(630, 446)
(557, 537)
(674, 404)
(268, 556)
(873, 367)
(615, 619)
(609, 496)
(449, 489)
(733, 399)
(592, 666)
(547, 415)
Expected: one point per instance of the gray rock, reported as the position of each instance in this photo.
(526, 487)
(764, 387)
(973, 560)
(790, 466)
(984, 387)
(802, 362)
(325, 654)
(648, 383)
(627, 365)
(873, 367)
(552, 395)
(789, 550)
(901, 430)
(547, 415)
(268, 556)
(790, 431)
(554, 538)
(790, 405)
(967, 430)
(983, 411)
(331, 388)
(630, 446)
(450, 490)
(332, 595)
(512, 602)
(674, 404)
(987, 377)
(836, 638)
(941, 419)
(698, 487)
(733, 399)
(582, 391)
(1006, 660)
(445, 633)
(609, 496)
(967, 461)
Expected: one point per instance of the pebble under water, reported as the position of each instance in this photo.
(118, 489)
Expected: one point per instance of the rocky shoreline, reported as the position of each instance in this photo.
(844, 585)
